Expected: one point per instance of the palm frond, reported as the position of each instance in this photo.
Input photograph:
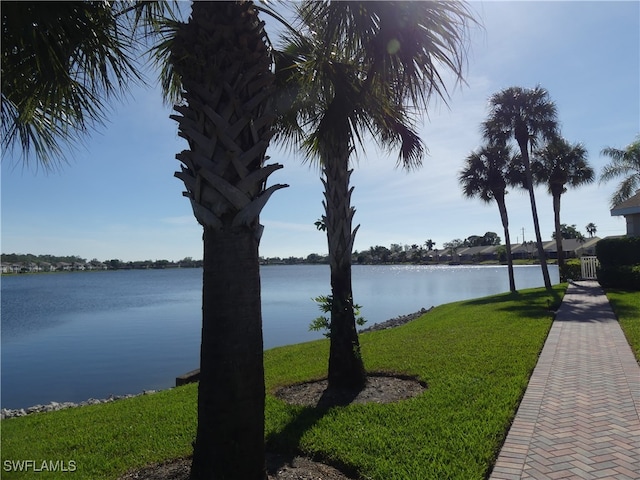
(560, 164)
(160, 53)
(407, 44)
(519, 112)
(623, 162)
(613, 153)
(485, 172)
(343, 80)
(626, 188)
(61, 64)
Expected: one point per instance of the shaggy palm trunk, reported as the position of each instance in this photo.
(222, 59)
(556, 219)
(507, 238)
(346, 368)
(523, 141)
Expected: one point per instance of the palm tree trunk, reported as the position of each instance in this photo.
(223, 60)
(556, 219)
(230, 434)
(507, 238)
(346, 368)
(534, 211)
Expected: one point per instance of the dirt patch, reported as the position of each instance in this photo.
(380, 388)
(279, 467)
(299, 468)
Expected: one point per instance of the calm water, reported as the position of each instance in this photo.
(73, 336)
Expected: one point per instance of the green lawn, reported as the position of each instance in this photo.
(475, 356)
(626, 306)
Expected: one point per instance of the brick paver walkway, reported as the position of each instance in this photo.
(579, 418)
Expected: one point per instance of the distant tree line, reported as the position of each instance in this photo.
(186, 262)
(113, 264)
(414, 253)
(395, 253)
(30, 258)
(374, 255)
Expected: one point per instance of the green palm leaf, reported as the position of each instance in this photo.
(623, 162)
(62, 63)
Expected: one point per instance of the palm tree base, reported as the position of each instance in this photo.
(231, 394)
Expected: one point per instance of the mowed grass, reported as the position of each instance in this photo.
(475, 356)
(103, 440)
(626, 306)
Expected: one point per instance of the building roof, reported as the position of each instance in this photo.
(571, 244)
(479, 250)
(630, 206)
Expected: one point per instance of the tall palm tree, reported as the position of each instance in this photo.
(62, 63)
(560, 165)
(485, 176)
(623, 162)
(591, 229)
(222, 58)
(527, 116)
(360, 69)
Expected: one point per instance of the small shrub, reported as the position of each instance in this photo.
(571, 270)
(325, 303)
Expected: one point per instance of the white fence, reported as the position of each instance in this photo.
(588, 266)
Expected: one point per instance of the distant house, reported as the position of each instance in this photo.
(588, 247)
(46, 267)
(524, 251)
(572, 247)
(11, 268)
(478, 254)
(630, 209)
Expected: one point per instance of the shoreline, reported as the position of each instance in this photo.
(55, 406)
(396, 321)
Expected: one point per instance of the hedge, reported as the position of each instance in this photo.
(571, 270)
(619, 262)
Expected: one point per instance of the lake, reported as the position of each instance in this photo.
(74, 336)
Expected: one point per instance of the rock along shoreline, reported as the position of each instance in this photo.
(55, 406)
(396, 321)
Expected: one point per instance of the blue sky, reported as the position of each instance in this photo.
(117, 197)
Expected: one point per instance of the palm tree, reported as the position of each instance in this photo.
(359, 70)
(591, 229)
(62, 63)
(527, 116)
(485, 176)
(623, 162)
(560, 165)
(222, 58)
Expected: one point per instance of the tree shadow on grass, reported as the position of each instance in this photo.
(315, 400)
(284, 445)
(620, 308)
(531, 304)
